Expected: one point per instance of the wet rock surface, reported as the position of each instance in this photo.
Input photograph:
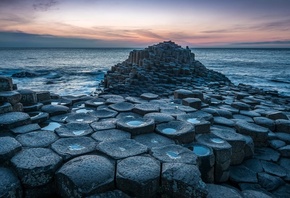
(238, 139)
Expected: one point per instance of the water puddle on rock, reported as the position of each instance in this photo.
(79, 120)
(51, 126)
(135, 123)
(122, 149)
(201, 150)
(79, 132)
(193, 121)
(98, 103)
(84, 111)
(217, 140)
(169, 131)
(173, 154)
(154, 141)
(75, 147)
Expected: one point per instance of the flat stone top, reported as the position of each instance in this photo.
(35, 158)
(37, 138)
(222, 191)
(8, 180)
(12, 117)
(7, 144)
(251, 127)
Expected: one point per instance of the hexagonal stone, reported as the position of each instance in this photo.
(275, 144)
(53, 110)
(159, 117)
(182, 180)
(200, 125)
(11, 97)
(6, 83)
(273, 169)
(183, 93)
(267, 154)
(275, 115)
(285, 151)
(254, 194)
(145, 108)
(283, 125)
(149, 96)
(115, 99)
(265, 122)
(174, 154)
(74, 129)
(14, 119)
(81, 118)
(215, 190)
(128, 115)
(284, 137)
(104, 125)
(223, 121)
(37, 139)
(9, 184)
(182, 132)
(241, 173)
(122, 107)
(138, 176)
(5, 107)
(254, 165)
(258, 134)
(269, 182)
(68, 148)
(25, 128)
(192, 102)
(136, 126)
(95, 102)
(173, 112)
(9, 147)
(240, 105)
(111, 135)
(104, 113)
(222, 151)
(85, 175)
(36, 166)
(240, 117)
(122, 148)
(110, 194)
(153, 140)
(28, 96)
(38, 117)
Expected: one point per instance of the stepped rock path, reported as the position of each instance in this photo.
(146, 136)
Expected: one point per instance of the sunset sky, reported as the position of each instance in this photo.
(128, 23)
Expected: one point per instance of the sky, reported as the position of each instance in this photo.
(139, 23)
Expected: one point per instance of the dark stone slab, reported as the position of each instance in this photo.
(254, 194)
(241, 173)
(53, 110)
(33, 107)
(267, 154)
(9, 184)
(192, 102)
(182, 132)
(74, 129)
(273, 169)
(265, 122)
(241, 106)
(285, 151)
(145, 108)
(269, 182)
(153, 140)
(183, 93)
(80, 118)
(149, 96)
(122, 148)
(111, 135)
(138, 176)
(174, 154)
(6, 83)
(223, 121)
(283, 125)
(9, 147)
(200, 125)
(258, 134)
(37, 139)
(136, 126)
(11, 97)
(14, 119)
(68, 148)
(25, 128)
(122, 107)
(240, 117)
(215, 190)
(103, 125)
(95, 102)
(284, 137)
(128, 115)
(110, 194)
(38, 117)
(135, 100)
(254, 165)
(173, 112)
(159, 117)
(255, 187)
(276, 144)
(283, 191)
(28, 96)
(104, 113)
(275, 115)
(5, 107)
(36, 166)
(85, 175)
(182, 180)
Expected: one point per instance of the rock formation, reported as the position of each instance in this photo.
(159, 69)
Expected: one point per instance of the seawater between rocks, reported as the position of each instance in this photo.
(79, 71)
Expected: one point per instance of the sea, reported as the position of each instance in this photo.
(80, 71)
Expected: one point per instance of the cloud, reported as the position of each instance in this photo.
(277, 42)
(43, 5)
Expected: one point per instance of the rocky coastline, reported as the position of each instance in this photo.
(165, 126)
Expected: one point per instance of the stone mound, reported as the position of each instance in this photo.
(159, 69)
